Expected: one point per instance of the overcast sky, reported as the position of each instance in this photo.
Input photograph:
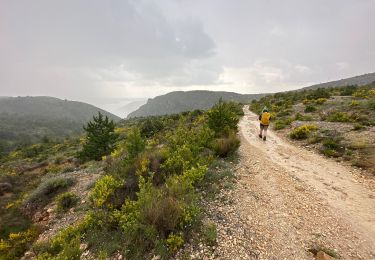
(92, 49)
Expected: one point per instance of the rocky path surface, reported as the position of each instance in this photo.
(288, 200)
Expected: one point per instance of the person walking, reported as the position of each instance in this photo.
(264, 119)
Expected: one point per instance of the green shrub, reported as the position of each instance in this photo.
(330, 153)
(354, 103)
(151, 126)
(222, 116)
(162, 212)
(302, 132)
(347, 91)
(315, 138)
(310, 108)
(49, 188)
(331, 143)
(371, 104)
(320, 101)
(320, 93)
(64, 246)
(226, 145)
(332, 147)
(357, 127)
(175, 242)
(360, 93)
(104, 190)
(65, 201)
(338, 117)
(210, 234)
(282, 123)
(134, 144)
(285, 112)
(300, 117)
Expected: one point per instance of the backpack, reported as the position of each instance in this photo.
(265, 118)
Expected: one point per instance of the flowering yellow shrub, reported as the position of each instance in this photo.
(103, 190)
(302, 131)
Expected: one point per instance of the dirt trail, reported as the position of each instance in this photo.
(288, 199)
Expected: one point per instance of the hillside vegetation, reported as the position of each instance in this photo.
(339, 122)
(139, 201)
(360, 80)
(27, 120)
(179, 101)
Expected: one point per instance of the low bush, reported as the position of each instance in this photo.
(300, 117)
(315, 138)
(48, 189)
(310, 108)
(65, 201)
(64, 246)
(358, 127)
(282, 123)
(371, 104)
(151, 126)
(210, 234)
(366, 161)
(175, 242)
(104, 190)
(226, 145)
(320, 101)
(332, 147)
(371, 93)
(285, 112)
(354, 103)
(331, 143)
(302, 132)
(338, 117)
(360, 93)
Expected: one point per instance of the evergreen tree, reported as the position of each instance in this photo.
(100, 138)
(221, 117)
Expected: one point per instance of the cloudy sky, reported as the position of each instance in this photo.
(92, 50)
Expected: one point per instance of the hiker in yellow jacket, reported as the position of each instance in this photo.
(264, 119)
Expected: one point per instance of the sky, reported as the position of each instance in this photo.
(107, 51)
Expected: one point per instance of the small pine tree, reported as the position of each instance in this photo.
(100, 138)
(222, 117)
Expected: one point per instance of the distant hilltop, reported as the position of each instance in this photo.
(357, 80)
(181, 101)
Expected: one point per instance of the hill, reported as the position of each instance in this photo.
(181, 101)
(357, 80)
(25, 120)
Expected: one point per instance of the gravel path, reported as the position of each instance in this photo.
(288, 200)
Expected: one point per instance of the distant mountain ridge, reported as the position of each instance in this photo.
(181, 101)
(360, 80)
(28, 119)
(50, 107)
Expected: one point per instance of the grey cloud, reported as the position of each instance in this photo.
(74, 36)
(81, 48)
